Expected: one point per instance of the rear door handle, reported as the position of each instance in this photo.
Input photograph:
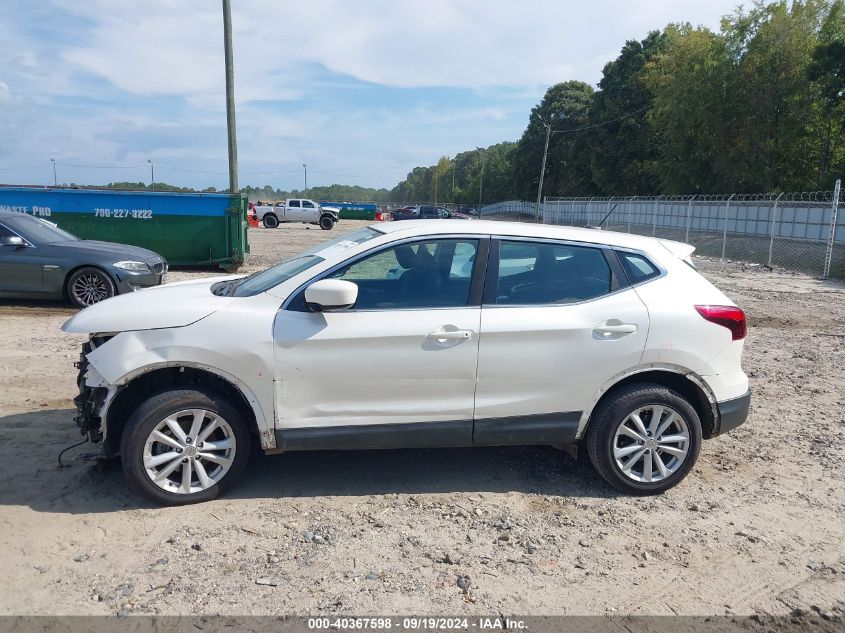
(625, 328)
(613, 329)
(449, 335)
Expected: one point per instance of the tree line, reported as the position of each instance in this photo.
(757, 107)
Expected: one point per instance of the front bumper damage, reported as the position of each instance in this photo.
(93, 397)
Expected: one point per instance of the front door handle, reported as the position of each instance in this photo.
(442, 334)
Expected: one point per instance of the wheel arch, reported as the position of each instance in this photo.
(164, 376)
(271, 214)
(684, 381)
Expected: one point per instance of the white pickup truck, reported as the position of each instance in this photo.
(297, 210)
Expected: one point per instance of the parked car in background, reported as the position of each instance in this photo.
(38, 260)
(420, 334)
(428, 212)
(403, 213)
(297, 210)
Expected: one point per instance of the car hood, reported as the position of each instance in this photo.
(118, 251)
(172, 305)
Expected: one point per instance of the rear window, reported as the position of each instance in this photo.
(637, 267)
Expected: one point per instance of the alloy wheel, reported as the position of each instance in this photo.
(90, 288)
(189, 451)
(651, 443)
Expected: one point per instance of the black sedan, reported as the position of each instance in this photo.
(38, 260)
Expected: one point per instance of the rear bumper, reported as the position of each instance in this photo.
(732, 413)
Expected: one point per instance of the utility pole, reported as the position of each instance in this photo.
(152, 174)
(435, 185)
(55, 180)
(548, 127)
(230, 96)
(305, 167)
(452, 190)
(480, 180)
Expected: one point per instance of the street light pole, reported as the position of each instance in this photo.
(542, 169)
(480, 180)
(452, 190)
(230, 96)
(55, 180)
(305, 167)
(152, 174)
(435, 185)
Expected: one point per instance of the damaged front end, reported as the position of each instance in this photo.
(94, 393)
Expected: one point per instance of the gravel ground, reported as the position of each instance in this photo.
(756, 528)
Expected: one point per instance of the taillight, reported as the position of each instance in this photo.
(730, 317)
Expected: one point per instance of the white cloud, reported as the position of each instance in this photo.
(175, 47)
(121, 81)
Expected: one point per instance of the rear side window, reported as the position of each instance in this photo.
(637, 267)
(293, 203)
(538, 273)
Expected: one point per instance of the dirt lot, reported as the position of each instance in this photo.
(756, 528)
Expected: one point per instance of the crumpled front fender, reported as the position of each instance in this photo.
(131, 354)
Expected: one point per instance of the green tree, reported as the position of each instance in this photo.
(565, 107)
(783, 127)
(694, 90)
(827, 72)
(624, 143)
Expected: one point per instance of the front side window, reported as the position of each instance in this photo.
(426, 274)
(4, 232)
(539, 273)
(307, 205)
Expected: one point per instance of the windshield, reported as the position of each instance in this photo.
(39, 231)
(284, 270)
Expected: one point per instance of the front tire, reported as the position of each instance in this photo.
(327, 223)
(90, 285)
(644, 439)
(270, 221)
(184, 446)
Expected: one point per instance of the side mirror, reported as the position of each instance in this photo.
(13, 240)
(331, 294)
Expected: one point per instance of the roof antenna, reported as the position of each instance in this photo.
(608, 214)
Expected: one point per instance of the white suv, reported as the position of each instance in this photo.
(419, 334)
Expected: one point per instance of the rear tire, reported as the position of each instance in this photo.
(644, 439)
(327, 223)
(270, 221)
(90, 285)
(162, 460)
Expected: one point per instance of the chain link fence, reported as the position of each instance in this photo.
(798, 231)
(803, 232)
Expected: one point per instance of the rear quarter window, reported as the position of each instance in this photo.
(637, 267)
